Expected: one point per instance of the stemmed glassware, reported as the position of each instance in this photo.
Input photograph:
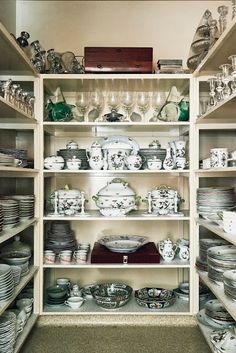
(158, 99)
(214, 32)
(219, 87)
(97, 101)
(82, 103)
(55, 62)
(226, 78)
(127, 102)
(212, 93)
(233, 6)
(113, 100)
(223, 12)
(143, 101)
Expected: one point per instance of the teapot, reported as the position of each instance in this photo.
(182, 249)
(60, 111)
(167, 249)
(95, 156)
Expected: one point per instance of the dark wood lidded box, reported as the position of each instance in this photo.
(147, 254)
(118, 60)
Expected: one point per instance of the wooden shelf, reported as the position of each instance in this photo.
(24, 334)
(106, 82)
(219, 53)
(73, 127)
(9, 111)
(217, 288)
(213, 227)
(18, 172)
(180, 307)
(223, 112)
(24, 280)
(14, 61)
(95, 215)
(9, 233)
(216, 172)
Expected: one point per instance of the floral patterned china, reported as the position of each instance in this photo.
(111, 295)
(155, 298)
(123, 243)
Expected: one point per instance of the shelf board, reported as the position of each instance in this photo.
(52, 173)
(207, 331)
(14, 61)
(107, 82)
(162, 265)
(10, 111)
(90, 307)
(95, 215)
(216, 172)
(24, 334)
(223, 112)
(24, 280)
(219, 53)
(18, 172)
(217, 288)
(213, 227)
(9, 233)
(59, 129)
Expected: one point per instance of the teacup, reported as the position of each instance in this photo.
(17, 162)
(74, 302)
(180, 162)
(219, 157)
(49, 257)
(65, 257)
(154, 164)
(64, 283)
(81, 256)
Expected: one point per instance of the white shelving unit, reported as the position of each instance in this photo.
(215, 128)
(20, 130)
(89, 227)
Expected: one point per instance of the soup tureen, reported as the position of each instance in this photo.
(116, 198)
(68, 202)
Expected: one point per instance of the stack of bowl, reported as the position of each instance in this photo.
(26, 304)
(56, 295)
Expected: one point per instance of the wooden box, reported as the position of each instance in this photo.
(118, 60)
(147, 254)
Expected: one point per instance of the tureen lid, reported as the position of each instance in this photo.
(116, 187)
(116, 144)
(73, 159)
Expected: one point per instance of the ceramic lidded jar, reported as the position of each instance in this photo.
(54, 163)
(69, 201)
(116, 195)
(72, 145)
(164, 200)
(116, 152)
(73, 163)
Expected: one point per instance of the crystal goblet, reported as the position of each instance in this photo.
(143, 101)
(226, 78)
(212, 101)
(127, 102)
(223, 12)
(158, 99)
(82, 103)
(219, 87)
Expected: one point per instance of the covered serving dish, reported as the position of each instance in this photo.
(68, 201)
(116, 198)
(54, 162)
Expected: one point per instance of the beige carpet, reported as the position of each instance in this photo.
(115, 339)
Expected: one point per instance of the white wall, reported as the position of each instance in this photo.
(167, 26)
(8, 14)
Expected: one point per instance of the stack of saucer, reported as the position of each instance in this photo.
(60, 237)
(204, 245)
(220, 259)
(6, 160)
(16, 273)
(56, 295)
(26, 204)
(229, 279)
(6, 282)
(7, 332)
(78, 153)
(11, 213)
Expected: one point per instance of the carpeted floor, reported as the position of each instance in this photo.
(115, 339)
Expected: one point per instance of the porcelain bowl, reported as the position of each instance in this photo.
(56, 292)
(111, 295)
(155, 298)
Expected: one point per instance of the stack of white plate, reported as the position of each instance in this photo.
(11, 213)
(204, 245)
(7, 332)
(6, 282)
(229, 279)
(1, 218)
(17, 259)
(6, 160)
(16, 273)
(26, 203)
(212, 200)
(219, 260)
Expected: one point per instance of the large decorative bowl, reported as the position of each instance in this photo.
(123, 243)
(154, 298)
(111, 295)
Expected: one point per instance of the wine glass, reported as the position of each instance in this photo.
(97, 101)
(158, 99)
(127, 102)
(143, 102)
(212, 101)
(223, 12)
(82, 103)
(113, 100)
(219, 87)
(226, 78)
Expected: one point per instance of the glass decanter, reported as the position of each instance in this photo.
(226, 78)
(223, 12)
